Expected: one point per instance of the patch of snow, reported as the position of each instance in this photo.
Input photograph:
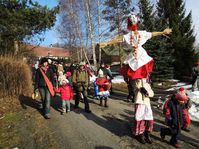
(177, 86)
(93, 78)
(194, 110)
(118, 79)
(173, 80)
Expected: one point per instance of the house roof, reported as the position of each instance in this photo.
(42, 51)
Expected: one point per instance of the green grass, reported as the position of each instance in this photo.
(11, 117)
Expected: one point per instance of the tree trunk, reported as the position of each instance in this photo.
(99, 26)
(90, 27)
(16, 47)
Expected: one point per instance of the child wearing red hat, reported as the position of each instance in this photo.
(173, 110)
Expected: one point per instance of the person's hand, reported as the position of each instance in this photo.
(167, 31)
(144, 91)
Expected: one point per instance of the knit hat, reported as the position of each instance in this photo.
(132, 22)
(100, 72)
(82, 63)
(64, 80)
(68, 74)
(181, 95)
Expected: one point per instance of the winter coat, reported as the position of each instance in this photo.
(142, 97)
(39, 80)
(174, 113)
(66, 92)
(102, 84)
(80, 80)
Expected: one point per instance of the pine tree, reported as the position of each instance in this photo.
(173, 13)
(20, 19)
(156, 47)
(115, 12)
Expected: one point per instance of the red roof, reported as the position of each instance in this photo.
(42, 51)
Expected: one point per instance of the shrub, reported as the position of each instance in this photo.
(15, 77)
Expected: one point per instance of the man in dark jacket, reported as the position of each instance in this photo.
(80, 80)
(41, 85)
(173, 110)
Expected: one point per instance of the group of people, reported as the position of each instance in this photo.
(68, 81)
(136, 69)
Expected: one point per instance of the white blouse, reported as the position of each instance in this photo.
(142, 56)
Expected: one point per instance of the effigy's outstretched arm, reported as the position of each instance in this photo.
(167, 31)
(116, 40)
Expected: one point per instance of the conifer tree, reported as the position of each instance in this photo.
(182, 38)
(156, 47)
(20, 19)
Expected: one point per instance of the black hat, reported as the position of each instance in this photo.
(43, 60)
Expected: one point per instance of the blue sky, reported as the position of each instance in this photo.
(51, 36)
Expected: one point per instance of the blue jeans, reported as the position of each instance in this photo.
(46, 99)
(64, 103)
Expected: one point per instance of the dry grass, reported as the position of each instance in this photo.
(15, 77)
(120, 87)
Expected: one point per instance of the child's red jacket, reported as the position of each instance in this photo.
(66, 92)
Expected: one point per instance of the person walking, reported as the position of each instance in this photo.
(103, 88)
(80, 80)
(44, 82)
(173, 111)
(66, 95)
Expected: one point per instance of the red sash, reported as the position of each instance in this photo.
(48, 83)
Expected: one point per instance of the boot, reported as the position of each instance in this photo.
(100, 102)
(147, 137)
(162, 135)
(140, 138)
(105, 103)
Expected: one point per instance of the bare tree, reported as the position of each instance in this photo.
(91, 30)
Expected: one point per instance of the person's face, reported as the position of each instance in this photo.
(64, 83)
(101, 75)
(102, 65)
(45, 64)
(81, 67)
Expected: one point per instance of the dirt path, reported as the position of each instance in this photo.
(104, 128)
(108, 128)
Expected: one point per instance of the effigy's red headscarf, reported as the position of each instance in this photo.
(132, 24)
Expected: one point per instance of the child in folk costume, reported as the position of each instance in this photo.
(139, 64)
(103, 87)
(174, 116)
(66, 94)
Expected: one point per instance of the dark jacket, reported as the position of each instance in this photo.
(39, 80)
(174, 113)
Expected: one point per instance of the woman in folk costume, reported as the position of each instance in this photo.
(140, 64)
